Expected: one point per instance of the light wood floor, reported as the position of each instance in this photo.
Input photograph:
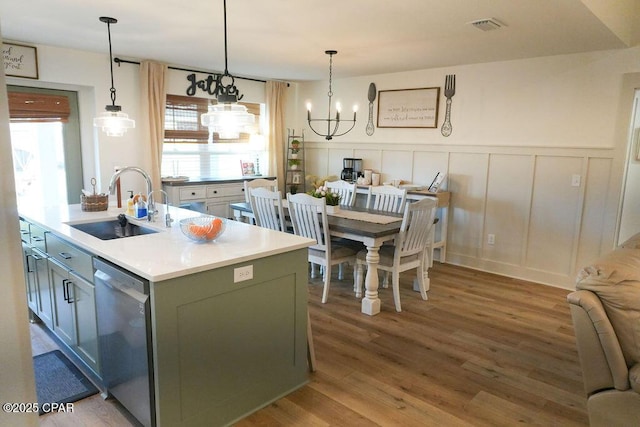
(484, 350)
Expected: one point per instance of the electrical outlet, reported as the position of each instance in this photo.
(241, 274)
(491, 239)
(575, 180)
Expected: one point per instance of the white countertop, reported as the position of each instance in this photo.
(168, 253)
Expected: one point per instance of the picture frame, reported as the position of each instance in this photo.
(408, 108)
(295, 179)
(437, 182)
(20, 60)
(248, 168)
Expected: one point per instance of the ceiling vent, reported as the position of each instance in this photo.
(487, 24)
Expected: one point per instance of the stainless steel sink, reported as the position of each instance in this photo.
(108, 230)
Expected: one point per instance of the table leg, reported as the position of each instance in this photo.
(371, 302)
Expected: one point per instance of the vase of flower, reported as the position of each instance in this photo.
(333, 209)
(332, 199)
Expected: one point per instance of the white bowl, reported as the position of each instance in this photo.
(203, 228)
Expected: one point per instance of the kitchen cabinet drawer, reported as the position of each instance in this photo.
(74, 258)
(235, 190)
(193, 193)
(38, 237)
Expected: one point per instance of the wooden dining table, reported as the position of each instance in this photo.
(360, 226)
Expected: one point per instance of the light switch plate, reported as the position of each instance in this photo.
(575, 180)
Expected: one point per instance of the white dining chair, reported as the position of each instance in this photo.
(309, 218)
(410, 249)
(387, 198)
(267, 209)
(346, 190)
(270, 184)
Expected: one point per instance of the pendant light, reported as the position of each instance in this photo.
(113, 121)
(335, 123)
(227, 117)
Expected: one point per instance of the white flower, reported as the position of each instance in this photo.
(323, 193)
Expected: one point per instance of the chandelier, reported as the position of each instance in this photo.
(113, 121)
(335, 122)
(227, 117)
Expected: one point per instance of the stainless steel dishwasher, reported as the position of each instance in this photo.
(124, 320)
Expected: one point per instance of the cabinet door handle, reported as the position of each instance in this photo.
(193, 193)
(69, 299)
(65, 290)
(29, 270)
(65, 255)
(215, 191)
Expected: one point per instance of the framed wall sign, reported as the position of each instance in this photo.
(20, 60)
(408, 108)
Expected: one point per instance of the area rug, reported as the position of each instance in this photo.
(58, 380)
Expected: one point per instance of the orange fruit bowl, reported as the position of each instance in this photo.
(203, 228)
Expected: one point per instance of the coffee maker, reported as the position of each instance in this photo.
(351, 169)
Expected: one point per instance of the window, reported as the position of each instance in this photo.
(182, 119)
(189, 149)
(45, 140)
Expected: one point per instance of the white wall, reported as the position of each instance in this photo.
(521, 131)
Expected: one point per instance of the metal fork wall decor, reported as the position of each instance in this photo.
(449, 91)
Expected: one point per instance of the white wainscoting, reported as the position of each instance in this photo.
(545, 228)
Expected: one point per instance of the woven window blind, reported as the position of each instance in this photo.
(182, 120)
(38, 107)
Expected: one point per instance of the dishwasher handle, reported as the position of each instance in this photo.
(120, 286)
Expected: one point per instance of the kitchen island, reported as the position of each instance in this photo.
(223, 345)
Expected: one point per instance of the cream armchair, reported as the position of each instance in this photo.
(605, 310)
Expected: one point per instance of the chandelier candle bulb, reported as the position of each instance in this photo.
(333, 124)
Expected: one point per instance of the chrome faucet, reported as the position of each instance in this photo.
(152, 211)
(114, 178)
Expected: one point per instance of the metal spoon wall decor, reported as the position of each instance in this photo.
(449, 91)
(372, 97)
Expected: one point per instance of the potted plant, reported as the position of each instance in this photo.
(295, 148)
(293, 164)
(332, 199)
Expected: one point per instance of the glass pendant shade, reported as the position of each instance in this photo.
(114, 123)
(228, 120)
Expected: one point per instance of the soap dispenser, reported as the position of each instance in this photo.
(140, 207)
(129, 210)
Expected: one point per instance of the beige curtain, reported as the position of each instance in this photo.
(153, 100)
(275, 98)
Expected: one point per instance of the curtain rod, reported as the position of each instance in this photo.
(118, 61)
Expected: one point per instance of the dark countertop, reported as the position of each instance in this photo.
(200, 181)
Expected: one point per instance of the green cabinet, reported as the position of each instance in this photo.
(75, 313)
(60, 291)
(30, 278)
(62, 307)
(227, 348)
(37, 283)
(44, 308)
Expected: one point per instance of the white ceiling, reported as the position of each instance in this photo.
(286, 39)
